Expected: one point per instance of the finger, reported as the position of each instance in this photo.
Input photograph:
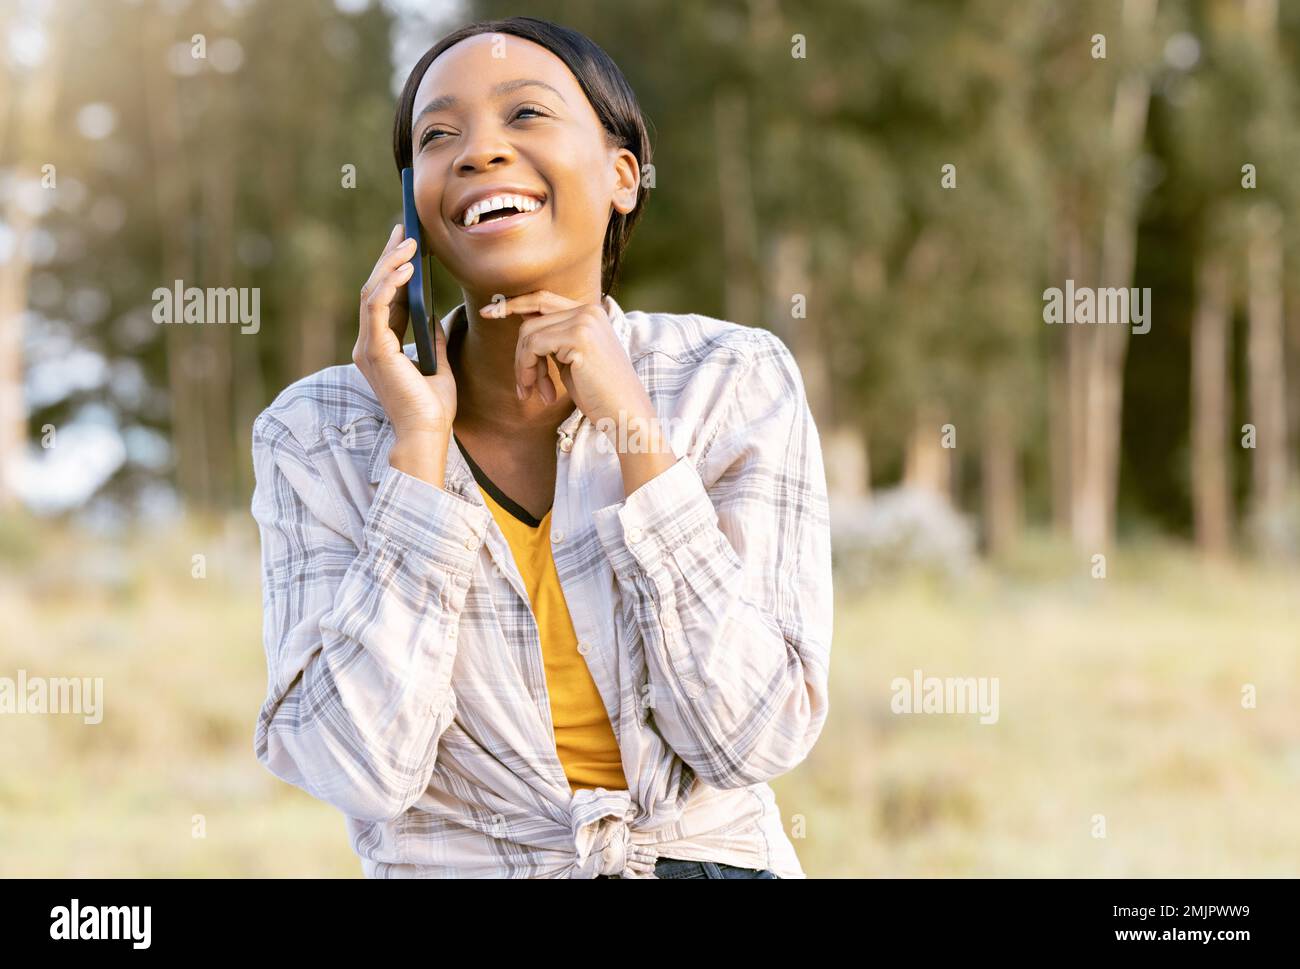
(398, 306)
(543, 379)
(541, 301)
(532, 351)
(399, 273)
(378, 302)
(527, 358)
(439, 344)
(392, 257)
(543, 383)
(534, 323)
(374, 317)
(400, 253)
(394, 240)
(553, 393)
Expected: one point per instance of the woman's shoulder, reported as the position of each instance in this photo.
(692, 339)
(332, 397)
(711, 373)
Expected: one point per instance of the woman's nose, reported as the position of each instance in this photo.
(482, 151)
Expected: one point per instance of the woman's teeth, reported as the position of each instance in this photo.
(521, 203)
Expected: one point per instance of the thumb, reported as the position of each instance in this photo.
(439, 344)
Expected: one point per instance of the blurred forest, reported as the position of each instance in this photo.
(801, 147)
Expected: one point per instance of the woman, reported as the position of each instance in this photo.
(563, 609)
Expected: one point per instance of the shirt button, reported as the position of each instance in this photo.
(566, 444)
(451, 631)
(584, 648)
(471, 543)
(634, 534)
(694, 690)
(670, 620)
(557, 537)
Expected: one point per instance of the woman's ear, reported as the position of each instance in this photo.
(628, 181)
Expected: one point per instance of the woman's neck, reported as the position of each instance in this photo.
(483, 362)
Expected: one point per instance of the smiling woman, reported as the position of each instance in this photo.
(529, 633)
(572, 118)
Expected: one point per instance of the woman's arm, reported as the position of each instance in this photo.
(730, 587)
(359, 642)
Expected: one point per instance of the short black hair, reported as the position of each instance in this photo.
(605, 86)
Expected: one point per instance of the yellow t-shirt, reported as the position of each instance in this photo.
(584, 738)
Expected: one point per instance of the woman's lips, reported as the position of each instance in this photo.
(492, 227)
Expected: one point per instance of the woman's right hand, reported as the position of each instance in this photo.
(418, 406)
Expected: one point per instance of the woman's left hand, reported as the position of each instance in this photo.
(591, 360)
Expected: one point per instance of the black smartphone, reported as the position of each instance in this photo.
(416, 307)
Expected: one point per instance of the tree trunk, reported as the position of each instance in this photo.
(1211, 501)
(789, 272)
(1068, 395)
(187, 358)
(1107, 344)
(739, 221)
(1266, 340)
(927, 464)
(848, 469)
(218, 269)
(999, 480)
(1265, 361)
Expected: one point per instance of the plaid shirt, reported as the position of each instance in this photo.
(406, 685)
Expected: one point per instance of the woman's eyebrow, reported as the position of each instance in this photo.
(445, 101)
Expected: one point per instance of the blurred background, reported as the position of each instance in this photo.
(1107, 522)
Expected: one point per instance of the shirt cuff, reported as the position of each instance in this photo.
(412, 513)
(660, 516)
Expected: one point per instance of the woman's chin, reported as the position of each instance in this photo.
(504, 284)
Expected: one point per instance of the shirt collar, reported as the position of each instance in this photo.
(459, 476)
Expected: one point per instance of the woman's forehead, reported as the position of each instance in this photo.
(492, 65)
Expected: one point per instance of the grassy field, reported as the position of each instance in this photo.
(1118, 697)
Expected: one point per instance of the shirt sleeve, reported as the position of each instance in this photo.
(359, 642)
(729, 584)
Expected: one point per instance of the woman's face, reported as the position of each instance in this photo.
(497, 114)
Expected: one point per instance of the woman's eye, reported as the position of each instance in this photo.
(429, 133)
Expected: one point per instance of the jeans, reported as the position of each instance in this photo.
(677, 868)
